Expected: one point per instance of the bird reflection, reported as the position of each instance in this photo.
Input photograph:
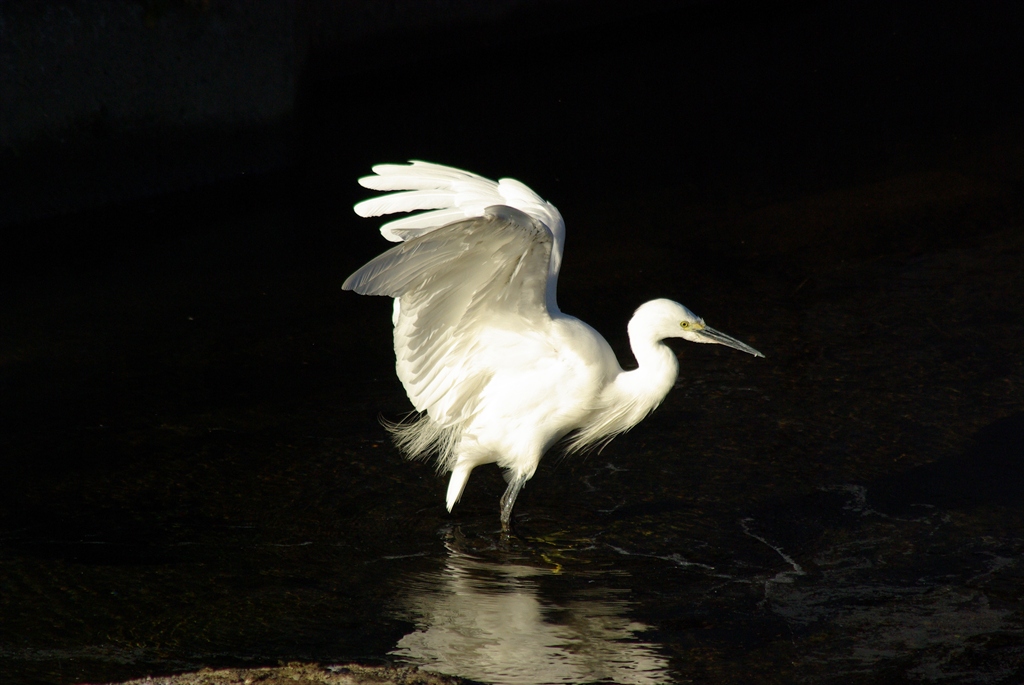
(487, 621)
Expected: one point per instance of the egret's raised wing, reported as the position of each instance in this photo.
(446, 194)
(456, 282)
(441, 195)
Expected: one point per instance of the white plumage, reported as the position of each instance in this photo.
(499, 373)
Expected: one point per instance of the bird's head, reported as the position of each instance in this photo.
(667, 319)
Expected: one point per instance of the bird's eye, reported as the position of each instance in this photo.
(685, 325)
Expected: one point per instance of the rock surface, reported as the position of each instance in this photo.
(303, 674)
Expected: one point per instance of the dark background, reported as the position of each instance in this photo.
(837, 184)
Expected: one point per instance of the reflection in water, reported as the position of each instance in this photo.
(487, 621)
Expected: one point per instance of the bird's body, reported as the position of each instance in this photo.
(499, 372)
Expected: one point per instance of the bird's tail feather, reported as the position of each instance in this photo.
(418, 437)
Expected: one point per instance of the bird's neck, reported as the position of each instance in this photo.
(655, 374)
(635, 394)
(632, 395)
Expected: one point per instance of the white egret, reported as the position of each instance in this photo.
(498, 373)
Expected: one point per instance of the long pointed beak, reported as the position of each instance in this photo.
(710, 335)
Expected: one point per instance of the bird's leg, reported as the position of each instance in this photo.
(508, 500)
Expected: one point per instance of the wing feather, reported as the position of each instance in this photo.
(444, 194)
(409, 201)
(416, 174)
(454, 283)
(438, 217)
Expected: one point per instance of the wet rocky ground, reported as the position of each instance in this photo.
(303, 674)
(194, 475)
